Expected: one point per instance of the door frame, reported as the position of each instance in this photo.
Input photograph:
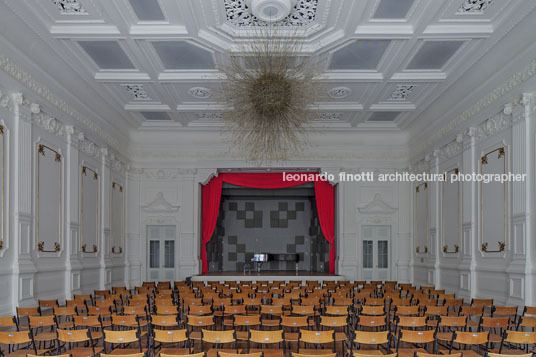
(375, 251)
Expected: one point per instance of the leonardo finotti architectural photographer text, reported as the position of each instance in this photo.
(371, 176)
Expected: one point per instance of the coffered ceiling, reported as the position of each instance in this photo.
(152, 64)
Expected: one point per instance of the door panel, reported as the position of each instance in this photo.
(376, 252)
(161, 253)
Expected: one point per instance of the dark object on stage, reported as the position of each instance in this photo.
(284, 257)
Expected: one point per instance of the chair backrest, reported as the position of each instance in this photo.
(98, 311)
(432, 310)
(372, 310)
(234, 309)
(48, 303)
(412, 310)
(274, 336)
(64, 311)
(303, 310)
(422, 354)
(170, 336)
(334, 354)
(336, 310)
(123, 336)
(316, 337)
(411, 321)
(247, 320)
(371, 338)
(453, 321)
(164, 320)
(205, 320)
(372, 321)
(42, 321)
(86, 321)
(375, 301)
(167, 310)
(65, 355)
(125, 320)
(217, 337)
(15, 337)
(489, 354)
(294, 321)
(271, 309)
(200, 354)
(8, 321)
(520, 337)
(472, 310)
(471, 338)
(334, 321)
(527, 321)
(482, 302)
(494, 322)
(504, 311)
(529, 310)
(412, 336)
(28, 311)
(229, 354)
(199, 310)
(74, 336)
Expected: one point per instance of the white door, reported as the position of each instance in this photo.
(375, 249)
(161, 253)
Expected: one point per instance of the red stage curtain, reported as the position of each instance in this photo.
(211, 196)
(325, 204)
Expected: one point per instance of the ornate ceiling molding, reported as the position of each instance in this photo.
(16, 72)
(457, 123)
(200, 92)
(474, 6)
(70, 7)
(160, 205)
(238, 14)
(339, 92)
(136, 91)
(401, 93)
(377, 206)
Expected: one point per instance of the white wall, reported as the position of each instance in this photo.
(42, 203)
(487, 213)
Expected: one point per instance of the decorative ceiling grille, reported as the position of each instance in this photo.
(472, 6)
(238, 14)
(70, 7)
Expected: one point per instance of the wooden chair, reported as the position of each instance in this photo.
(64, 316)
(174, 337)
(198, 322)
(218, 338)
(266, 337)
(339, 325)
(447, 325)
(505, 311)
(72, 341)
(271, 315)
(291, 326)
(64, 355)
(426, 338)
(48, 304)
(517, 339)
(231, 310)
(200, 354)
(8, 323)
(43, 329)
(294, 354)
(23, 314)
(422, 354)
(470, 339)
(124, 337)
(473, 313)
(433, 313)
(92, 323)
(167, 310)
(376, 338)
(411, 322)
(496, 326)
(19, 343)
(245, 321)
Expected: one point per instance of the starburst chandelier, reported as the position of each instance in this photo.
(269, 96)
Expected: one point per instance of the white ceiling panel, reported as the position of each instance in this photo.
(107, 54)
(147, 10)
(359, 55)
(183, 55)
(393, 9)
(434, 54)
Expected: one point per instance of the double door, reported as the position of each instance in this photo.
(161, 253)
(376, 252)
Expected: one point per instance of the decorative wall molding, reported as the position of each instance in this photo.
(238, 14)
(87, 173)
(166, 174)
(160, 205)
(210, 116)
(3, 201)
(330, 117)
(377, 206)
(16, 72)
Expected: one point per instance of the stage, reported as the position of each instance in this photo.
(285, 275)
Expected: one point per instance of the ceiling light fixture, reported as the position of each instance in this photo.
(269, 94)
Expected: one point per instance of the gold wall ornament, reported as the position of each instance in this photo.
(84, 247)
(445, 249)
(1, 129)
(1, 244)
(95, 176)
(57, 159)
(456, 248)
(425, 249)
(118, 251)
(418, 250)
(269, 95)
(501, 154)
